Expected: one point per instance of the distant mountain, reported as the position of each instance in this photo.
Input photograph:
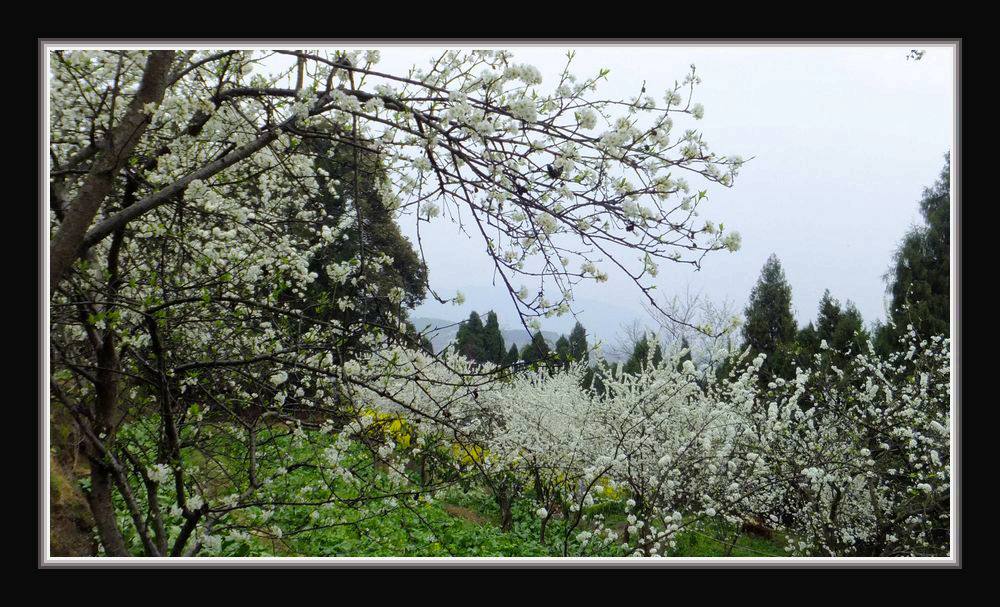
(422, 322)
(442, 332)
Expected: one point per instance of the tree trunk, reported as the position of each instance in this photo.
(101, 496)
(115, 150)
(103, 509)
(506, 510)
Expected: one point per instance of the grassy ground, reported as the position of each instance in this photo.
(464, 521)
(467, 524)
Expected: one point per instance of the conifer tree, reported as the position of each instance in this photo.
(770, 326)
(808, 345)
(842, 329)
(493, 349)
(828, 317)
(563, 353)
(849, 335)
(640, 354)
(918, 282)
(469, 340)
(512, 356)
(535, 351)
(578, 343)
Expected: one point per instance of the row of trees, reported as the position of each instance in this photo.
(918, 284)
(484, 343)
(918, 288)
(770, 327)
(840, 470)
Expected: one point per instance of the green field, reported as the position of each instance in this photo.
(463, 520)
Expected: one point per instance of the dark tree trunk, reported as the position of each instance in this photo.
(506, 510)
(103, 509)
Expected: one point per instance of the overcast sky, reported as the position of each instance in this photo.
(844, 139)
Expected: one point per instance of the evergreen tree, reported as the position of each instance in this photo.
(469, 340)
(535, 351)
(374, 230)
(593, 379)
(590, 380)
(808, 345)
(640, 354)
(828, 318)
(493, 349)
(371, 227)
(770, 326)
(563, 353)
(918, 282)
(849, 335)
(841, 328)
(578, 343)
(512, 356)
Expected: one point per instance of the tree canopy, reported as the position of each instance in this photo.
(481, 342)
(578, 346)
(919, 279)
(537, 350)
(770, 327)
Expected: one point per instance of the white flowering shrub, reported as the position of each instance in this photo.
(843, 462)
(862, 454)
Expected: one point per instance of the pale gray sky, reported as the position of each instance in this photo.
(844, 139)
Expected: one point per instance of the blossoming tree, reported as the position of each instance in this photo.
(215, 398)
(187, 221)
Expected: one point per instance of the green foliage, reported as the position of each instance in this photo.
(481, 342)
(563, 353)
(829, 316)
(719, 538)
(361, 177)
(536, 351)
(578, 343)
(918, 281)
(512, 356)
(842, 329)
(640, 357)
(808, 344)
(493, 349)
(849, 334)
(770, 326)
(469, 340)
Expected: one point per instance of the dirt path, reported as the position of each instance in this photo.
(465, 513)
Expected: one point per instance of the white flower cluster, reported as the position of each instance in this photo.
(683, 443)
(524, 109)
(528, 74)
